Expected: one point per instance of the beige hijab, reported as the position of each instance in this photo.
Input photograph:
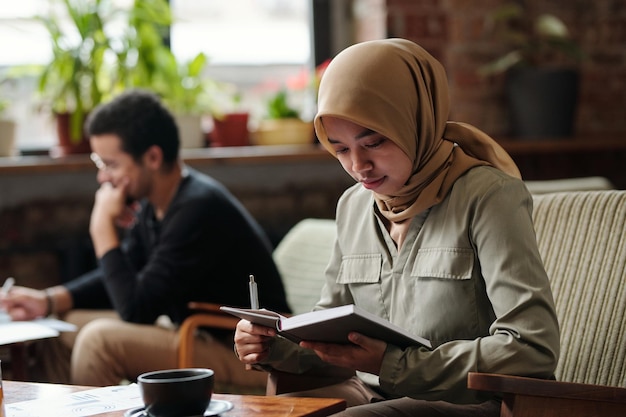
(396, 88)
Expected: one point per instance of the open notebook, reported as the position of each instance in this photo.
(330, 325)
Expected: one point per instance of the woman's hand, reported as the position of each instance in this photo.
(365, 354)
(252, 341)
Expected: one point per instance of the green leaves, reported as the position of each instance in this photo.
(108, 50)
(278, 107)
(534, 40)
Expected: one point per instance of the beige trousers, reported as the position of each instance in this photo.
(107, 351)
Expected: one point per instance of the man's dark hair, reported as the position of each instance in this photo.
(140, 120)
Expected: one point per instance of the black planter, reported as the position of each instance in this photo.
(542, 102)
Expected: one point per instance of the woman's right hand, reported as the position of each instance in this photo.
(252, 341)
(23, 303)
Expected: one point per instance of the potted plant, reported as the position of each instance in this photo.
(282, 124)
(91, 64)
(230, 120)
(77, 77)
(189, 96)
(540, 65)
(147, 62)
(142, 58)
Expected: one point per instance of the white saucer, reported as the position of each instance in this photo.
(215, 408)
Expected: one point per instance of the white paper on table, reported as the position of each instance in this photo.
(80, 404)
(56, 324)
(21, 331)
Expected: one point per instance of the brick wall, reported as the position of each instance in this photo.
(44, 240)
(454, 32)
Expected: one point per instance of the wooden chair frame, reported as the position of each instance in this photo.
(531, 397)
(208, 315)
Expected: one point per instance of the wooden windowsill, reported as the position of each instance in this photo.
(202, 156)
(249, 155)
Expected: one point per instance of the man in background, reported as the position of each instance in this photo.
(186, 238)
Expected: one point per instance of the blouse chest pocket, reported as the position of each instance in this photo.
(444, 263)
(444, 294)
(360, 269)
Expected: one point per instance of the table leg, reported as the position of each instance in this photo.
(19, 359)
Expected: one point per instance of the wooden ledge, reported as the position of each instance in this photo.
(296, 153)
(202, 156)
(522, 146)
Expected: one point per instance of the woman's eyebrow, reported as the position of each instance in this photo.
(363, 134)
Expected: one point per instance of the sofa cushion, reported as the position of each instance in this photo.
(301, 257)
(582, 240)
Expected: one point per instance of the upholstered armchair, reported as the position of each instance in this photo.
(582, 240)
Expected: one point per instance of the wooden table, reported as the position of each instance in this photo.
(20, 335)
(244, 405)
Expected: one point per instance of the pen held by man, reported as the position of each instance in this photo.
(4, 291)
(23, 303)
(8, 284)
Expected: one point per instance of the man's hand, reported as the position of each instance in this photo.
(252, 341)
(110, 202)
(365, 354)
(23, 303)
(109, 208)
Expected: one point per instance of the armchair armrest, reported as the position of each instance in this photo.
(209, 315)
(526, 397)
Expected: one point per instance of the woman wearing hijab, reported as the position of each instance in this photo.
(436, 237)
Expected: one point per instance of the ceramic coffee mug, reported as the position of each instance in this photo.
(176, 392)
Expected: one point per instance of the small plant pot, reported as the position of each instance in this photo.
(190, 130)
(283, 132)
(7, 137)
(67, 145)
(230, 130)
(542, 102)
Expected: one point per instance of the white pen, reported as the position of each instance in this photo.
(254, 295)
(8, 284)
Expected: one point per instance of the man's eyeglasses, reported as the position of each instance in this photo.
(99, 163)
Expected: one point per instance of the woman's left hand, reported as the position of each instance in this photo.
(364, 354)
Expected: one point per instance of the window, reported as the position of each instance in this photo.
(248, 42)
(243, 32)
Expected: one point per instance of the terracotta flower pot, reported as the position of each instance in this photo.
(67, 145)
(230, 130)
